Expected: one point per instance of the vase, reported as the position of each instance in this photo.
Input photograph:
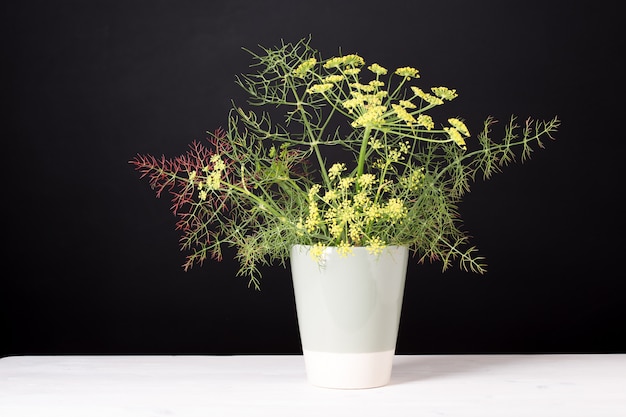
(348, 309)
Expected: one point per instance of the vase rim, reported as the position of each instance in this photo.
(358, 248)
(335, 246)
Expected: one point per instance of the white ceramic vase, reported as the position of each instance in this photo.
(348, 311)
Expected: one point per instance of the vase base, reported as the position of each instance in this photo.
(348, 370)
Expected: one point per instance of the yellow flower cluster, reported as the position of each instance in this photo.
(373, 117)
(347, 211)
(334, 78)
(336, 170)
(313, 219)
(444, 93)
(429, 98)
(395, 209)
(366, 101)
(403, 114)
(459, 125)
(351, 60)
(407, 72)
(212, 180)
(306, 66)
(377, 69)
(426, 121)
(376, 143)
(319, 88)
(414, 180)
(375, 246)
(344, 249)
(457, 131)
(455, 136)
(366, 88)
(317, 251)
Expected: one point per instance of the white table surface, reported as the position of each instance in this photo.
(422, 385)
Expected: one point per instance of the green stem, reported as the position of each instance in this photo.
(310, 133)
(322, 165)
(363, 152)
(262, 203)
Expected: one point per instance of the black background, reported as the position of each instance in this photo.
(91, 259)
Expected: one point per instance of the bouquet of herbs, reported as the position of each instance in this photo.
(338, 152)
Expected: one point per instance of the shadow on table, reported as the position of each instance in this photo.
(423, 367)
